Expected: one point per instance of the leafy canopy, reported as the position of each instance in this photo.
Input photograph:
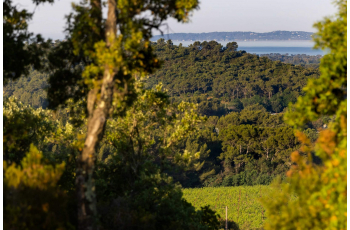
(321, 190)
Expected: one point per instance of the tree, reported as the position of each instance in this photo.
(134, 188)
(21, 48)
(32, 198)
(23, 126)
(316, 195)
(152, 129)
(232, 46)
(239, 143)
(114, 53)
(39, 167)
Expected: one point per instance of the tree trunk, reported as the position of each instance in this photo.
(98, 114)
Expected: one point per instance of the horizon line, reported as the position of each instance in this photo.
(239, 31)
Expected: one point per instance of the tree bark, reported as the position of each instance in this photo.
(98, 112)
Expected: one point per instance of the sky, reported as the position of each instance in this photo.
(213, 16)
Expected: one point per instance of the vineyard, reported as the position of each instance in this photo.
(244, 208)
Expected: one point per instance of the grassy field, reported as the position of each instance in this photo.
(244, 208)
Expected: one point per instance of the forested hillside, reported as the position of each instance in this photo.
(29, 90)
(218, 78)
(208, 71)
(296, 59)
(242, 142)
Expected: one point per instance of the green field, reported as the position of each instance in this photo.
(244, 208)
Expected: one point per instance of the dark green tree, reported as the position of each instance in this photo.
(21, 48)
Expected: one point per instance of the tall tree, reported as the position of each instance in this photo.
(115, 51)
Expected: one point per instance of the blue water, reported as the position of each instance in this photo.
(267, 47)
(282, 50)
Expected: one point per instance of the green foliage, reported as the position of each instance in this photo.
(128, 51)
(249, 177)
(254, 134)
(95, 73)
(23, 125)
(309, 61)
(30, 90)
(206, 136)
(36, 182)
(147, 200)
(113, 53)
(133, 189)
(273, 91)
(325, 95)
(246, 148)
(32, 198)
(21, 48)
(152, 128)
(32, 174)
(321, 190)
(138, 176)
(207, 143)
(224, 74)
(244, 208)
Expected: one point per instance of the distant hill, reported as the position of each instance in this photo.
(237, 36)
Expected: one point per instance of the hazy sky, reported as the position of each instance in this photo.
(213, 15)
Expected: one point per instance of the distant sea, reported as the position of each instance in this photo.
(267, 47)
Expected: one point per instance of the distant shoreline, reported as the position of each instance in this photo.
(236, 40)
(238, 36)
(268, 47)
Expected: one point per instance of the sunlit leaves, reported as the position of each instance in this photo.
(323, 96)
(33, 173)
(320, 189)
(152, 128)
(32, 197)
(23, 125)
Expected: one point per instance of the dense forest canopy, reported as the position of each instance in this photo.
(296, 59)
(228, 75)
(243, 142)
(219, 78)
